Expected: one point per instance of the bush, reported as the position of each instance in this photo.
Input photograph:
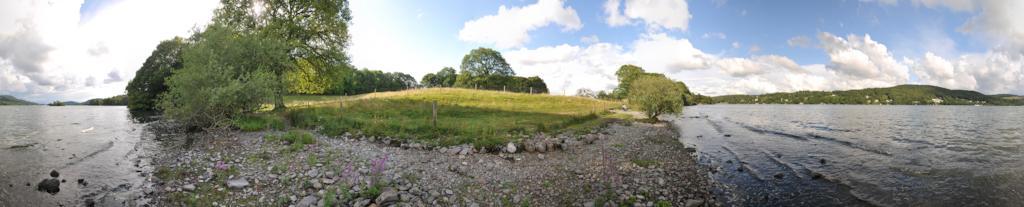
(226, 74)
(655, 95)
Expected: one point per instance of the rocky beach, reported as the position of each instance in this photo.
(625, 163)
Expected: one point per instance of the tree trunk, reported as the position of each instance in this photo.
(279, 93)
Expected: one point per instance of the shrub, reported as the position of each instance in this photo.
(655, 95)
(226, 74)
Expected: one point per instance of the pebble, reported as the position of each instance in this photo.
(238, 183)
(189, 187)
(308, 201)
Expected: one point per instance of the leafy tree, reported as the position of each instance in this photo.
(444, 78)
(305, 79)
(148, 83)
(312, 31)
(484, 62)
(118, 100)
(368, 81)
(655, 96)
(626, 74)
(225, 74)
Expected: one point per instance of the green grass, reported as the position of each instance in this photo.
(482, 118)
(296, 139)
(259, 122)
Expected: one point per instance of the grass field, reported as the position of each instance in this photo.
(482, 118)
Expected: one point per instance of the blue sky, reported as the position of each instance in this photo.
(81, 49)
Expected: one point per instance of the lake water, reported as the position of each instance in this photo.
(99, 144)
(830, 155)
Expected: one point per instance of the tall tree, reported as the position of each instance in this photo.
(315, 31)
(626, 74)
(485, 61)
(148, 83)
(226, 74)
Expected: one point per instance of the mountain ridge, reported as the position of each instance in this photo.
(896, 95)
(11, 100)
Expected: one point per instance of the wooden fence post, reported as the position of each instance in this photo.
(434, 114)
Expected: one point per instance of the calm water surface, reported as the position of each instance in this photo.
(101, 145)
(828, 155)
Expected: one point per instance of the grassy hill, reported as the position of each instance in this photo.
(480, 117)
(898, 95)
(11, 100)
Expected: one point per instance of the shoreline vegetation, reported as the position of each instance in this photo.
(489, 148)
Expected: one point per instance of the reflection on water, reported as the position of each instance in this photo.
(798, 155)
(102, 146)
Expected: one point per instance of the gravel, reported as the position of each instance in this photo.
(569, 172)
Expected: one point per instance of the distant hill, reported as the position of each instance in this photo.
(118, 100)
(897, 95)
(11, 100)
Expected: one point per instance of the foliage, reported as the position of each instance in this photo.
(626, 74)
(351, 82)
(118, 100)
(898, 95)
(444, 78)
(11, 100)
(482, 118)
(258, 122)
(225, 74)
(485, 62)
(304, 79)
(56, 103)
(314, 34)
(655, 96)
(502, 82)
(149, 81)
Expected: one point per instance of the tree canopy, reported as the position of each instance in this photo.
(315, 33)
(225, 74)
(148, 83)
(484, 62)
(655, 96)
(444, 78)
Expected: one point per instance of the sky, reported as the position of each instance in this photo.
(76, 50)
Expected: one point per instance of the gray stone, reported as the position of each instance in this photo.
(327, 181)
(317, 185)
(313, 173)
(449, 192)
(362, 202)
(510, 148)
(694, 202)
(387, 197)
(189, 187)
(238, 183)
(308, 201)
(588, 204)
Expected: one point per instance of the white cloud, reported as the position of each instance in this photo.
(716, 35)
(656, 14)
(510, 27)
(665, 54)
(736, 45)
(861, 57)
(991, 72)
(590, 39)
(955, 5)
(800, 41)
(56, 52)
(566, 68)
